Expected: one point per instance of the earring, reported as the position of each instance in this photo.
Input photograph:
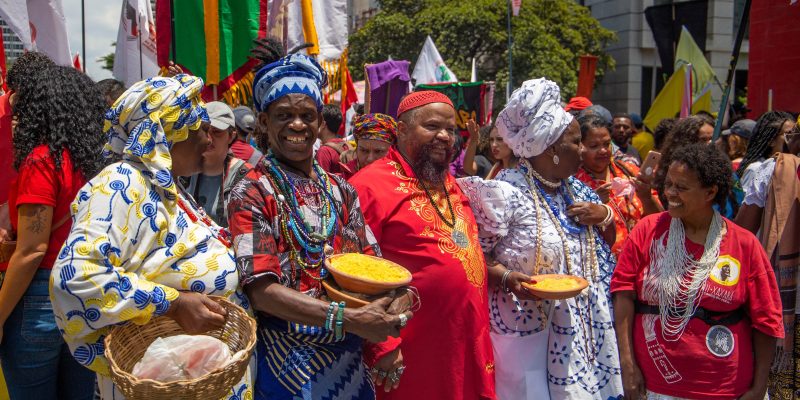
(556, 160)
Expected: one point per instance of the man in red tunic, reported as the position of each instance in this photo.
(423, 221)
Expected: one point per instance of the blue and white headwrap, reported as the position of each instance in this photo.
(295, 73)
(533, 118)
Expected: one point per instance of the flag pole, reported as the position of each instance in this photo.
(139, 27)
(737, 46)
(510, 60)
(83, 36)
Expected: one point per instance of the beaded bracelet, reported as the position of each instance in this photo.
(504, 280)
(340, 321)
(329, 316)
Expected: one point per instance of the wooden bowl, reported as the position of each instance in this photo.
(336, 294)
(561, 294)
(365, 285)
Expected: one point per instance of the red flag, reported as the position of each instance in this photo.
(586, 76)
(76, 61)
(3, 63)
(515, 6)
(349, 97)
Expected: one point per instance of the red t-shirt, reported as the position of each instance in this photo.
(328, 157)
(242, 150)
(7, 172)
(702, 364)
(41, 182)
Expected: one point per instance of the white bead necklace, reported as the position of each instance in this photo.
(674, 280)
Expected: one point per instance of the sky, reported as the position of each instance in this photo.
(102, 21)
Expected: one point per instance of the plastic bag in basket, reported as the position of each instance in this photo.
(182, 357)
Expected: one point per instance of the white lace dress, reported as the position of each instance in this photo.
(581, 360)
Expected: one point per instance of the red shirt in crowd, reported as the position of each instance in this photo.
(41, 182)
(704, 363)
(243, 150)
(7, 172)
(328, 155)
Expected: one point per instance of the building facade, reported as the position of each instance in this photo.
(359, 12)
(11, 43)
(638, 78)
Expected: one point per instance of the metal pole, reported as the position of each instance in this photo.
(139, 27)
(737, 46)
(510, 59)
(83, 36)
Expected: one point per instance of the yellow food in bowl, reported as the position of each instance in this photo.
(361, 266)
(557, 284)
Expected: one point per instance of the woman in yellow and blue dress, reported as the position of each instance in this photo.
(140, 246)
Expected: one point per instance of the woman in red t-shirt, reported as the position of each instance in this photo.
(57, 140)
(696, 304)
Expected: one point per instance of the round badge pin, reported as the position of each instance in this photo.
(719, 341)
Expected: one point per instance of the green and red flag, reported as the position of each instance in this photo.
(469, 100)
(212, 39)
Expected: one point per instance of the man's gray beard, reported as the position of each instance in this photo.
(430, 171)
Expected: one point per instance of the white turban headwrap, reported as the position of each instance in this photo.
(533, 119)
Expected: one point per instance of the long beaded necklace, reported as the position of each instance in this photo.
(565, 221)
(590, 346)
(457, 235)
(675, 280)
(306, 245)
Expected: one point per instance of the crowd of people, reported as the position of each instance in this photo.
(131, 203)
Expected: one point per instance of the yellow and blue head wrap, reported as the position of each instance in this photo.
(148, 118)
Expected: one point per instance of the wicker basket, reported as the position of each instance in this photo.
(126, 344)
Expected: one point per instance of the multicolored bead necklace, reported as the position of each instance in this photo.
(197, 214)
(306, 246)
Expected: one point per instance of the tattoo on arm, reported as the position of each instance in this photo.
(37, 216)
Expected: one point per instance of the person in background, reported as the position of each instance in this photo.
(471, 163)
(771, 210)
(110, 89)
(690, 130)
(221, 169)
(697, 310)
(599, 110)
(662, 131)
(375, 134)
(793, 139)
(500, 152)
(615, 181)
(577, 104)
(733, 141)
(20, 73)
(332, 146)
(57, 142)
(141, 247)
(643, 141)
(738, 111)
(245, 124)
(422, 221)
(621, 133)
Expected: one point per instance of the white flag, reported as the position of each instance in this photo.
(41, 26)
(330, 19)
(15, 13)
(430, 68)
(474, 76)
(135, 56)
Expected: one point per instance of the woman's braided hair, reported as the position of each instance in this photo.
(767, 128)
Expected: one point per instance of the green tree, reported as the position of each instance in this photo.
(549, 36)
(108, 59)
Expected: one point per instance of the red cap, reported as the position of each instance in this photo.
(578, 103)
(422, 98)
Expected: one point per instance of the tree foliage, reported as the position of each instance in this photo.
(549, 36)
(107, 60)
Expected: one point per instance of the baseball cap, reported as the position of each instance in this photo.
(245, 119)
(742, 127)
(220, 114)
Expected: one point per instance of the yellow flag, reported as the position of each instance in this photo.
(668, 102)
(689, 53)
(702, 100)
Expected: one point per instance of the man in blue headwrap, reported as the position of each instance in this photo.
(285, 215)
